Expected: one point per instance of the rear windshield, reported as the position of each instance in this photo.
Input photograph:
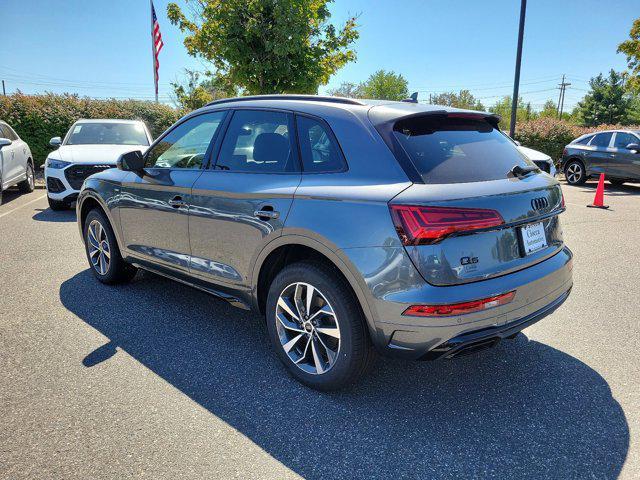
(107, 133)
(457, 150)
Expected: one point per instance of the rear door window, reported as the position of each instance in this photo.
(258, 141)
(601, 140)
(457, 150)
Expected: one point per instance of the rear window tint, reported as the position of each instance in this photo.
(583, 141)
(457, 150)
(602, 140)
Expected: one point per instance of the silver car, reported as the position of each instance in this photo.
(16, 161)
(354, 227)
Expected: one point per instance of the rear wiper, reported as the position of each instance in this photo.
(519, 171)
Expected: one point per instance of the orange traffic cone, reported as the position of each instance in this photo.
(598, 201)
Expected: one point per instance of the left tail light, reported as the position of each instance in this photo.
(423, 225)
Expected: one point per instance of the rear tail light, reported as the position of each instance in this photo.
(420, 225)
(565, 151)
(459, 308)
(562, 202)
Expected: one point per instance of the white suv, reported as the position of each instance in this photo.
(90, 146)
(16, 161)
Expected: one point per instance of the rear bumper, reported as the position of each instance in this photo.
(476, 340)
(540, 289)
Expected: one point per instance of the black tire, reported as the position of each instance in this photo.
(575, 173)
(116, 270)
(355, 352)
(58, 205)
(616, 182)
(28, 185)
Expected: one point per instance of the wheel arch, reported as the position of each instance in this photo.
(289, 249)
(89, 201)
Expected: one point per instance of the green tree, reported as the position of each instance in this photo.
(503, 108)
(631, 48)
(549, 110)
(195, 93)
(267, 46)
(606, 102)
(462, 99)
(384, 85)
(346, 89)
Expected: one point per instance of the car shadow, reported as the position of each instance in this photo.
(48, 215)
(11, 194)
(521, 410)
(609, 189)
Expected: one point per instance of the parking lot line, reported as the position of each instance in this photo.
(23, 205)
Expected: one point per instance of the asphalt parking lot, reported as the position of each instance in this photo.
(155, 379)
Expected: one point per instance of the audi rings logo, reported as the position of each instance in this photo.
(539, 203)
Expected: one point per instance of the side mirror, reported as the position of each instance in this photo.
(55, 142)
(5, 142)
(634, 147)
(131, 161)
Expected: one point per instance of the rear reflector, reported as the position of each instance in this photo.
(459, 308)
(420, 225)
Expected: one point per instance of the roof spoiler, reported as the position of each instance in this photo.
(491, 118)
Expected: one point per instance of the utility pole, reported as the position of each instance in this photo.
(516, 81)
(4, 92)
(562, 86)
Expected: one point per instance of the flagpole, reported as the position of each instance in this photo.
(153, 51)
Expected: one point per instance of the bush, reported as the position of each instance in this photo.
(550, 135)
(37, 118)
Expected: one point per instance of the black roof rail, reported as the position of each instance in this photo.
(311, 98)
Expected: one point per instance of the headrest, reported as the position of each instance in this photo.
(271, 147)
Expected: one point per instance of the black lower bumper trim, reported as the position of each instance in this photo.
(481, 339)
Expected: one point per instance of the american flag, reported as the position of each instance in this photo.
(157, 45)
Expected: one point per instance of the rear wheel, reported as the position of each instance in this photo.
(575, 173)
(102, 251)
(317, 328)
(616, 182)
(58, 205)
(29, 184)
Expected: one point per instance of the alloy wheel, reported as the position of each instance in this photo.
(99, 248)
(574, 173)
(308, 328)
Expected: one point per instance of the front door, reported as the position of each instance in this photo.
(242, 202)
(154, 204)
(14, 159)
(627, 161)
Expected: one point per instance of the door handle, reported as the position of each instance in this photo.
(177, 202)
(266, 213)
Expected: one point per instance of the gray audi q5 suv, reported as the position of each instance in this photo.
(353, 226)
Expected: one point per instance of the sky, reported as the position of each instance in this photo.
(103, 49)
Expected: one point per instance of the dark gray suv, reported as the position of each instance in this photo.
(412, 230)
(616, 153)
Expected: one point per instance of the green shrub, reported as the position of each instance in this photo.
(550, 135)
(37, 118)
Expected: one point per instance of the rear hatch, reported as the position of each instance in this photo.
(474, 216)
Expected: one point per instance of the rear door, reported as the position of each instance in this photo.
(154, 205)
(627, 162)
(241, 202)
(472, 219)
(601, 155)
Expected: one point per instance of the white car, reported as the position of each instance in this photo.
(89, 147)
(542, 160)
(16, 161)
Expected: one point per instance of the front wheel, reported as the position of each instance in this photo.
(317, 328)
(102, 250)
(575, 173)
